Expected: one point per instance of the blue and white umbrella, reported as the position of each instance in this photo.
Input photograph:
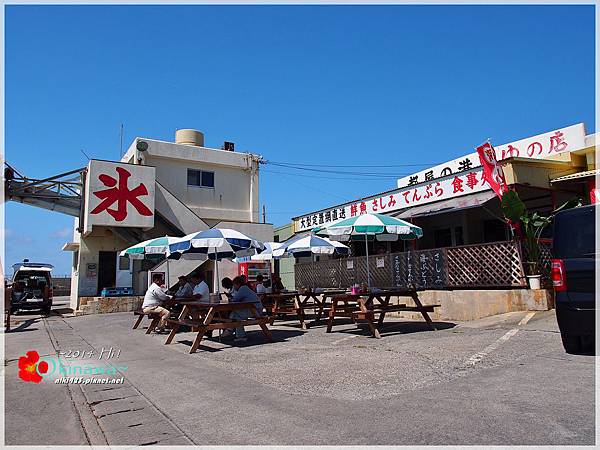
(265, 255)
(216, 244)
(308, 245)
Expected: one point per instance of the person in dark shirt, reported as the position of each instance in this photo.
(277, 285)
(242, 293)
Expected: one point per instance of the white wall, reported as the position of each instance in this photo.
(235, 195)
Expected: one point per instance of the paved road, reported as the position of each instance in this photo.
(495, 381)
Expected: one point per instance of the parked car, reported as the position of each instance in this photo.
(573, 273)
(31, 287)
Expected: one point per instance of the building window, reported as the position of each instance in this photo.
(200, 178)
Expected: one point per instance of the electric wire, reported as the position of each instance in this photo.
(340, 172)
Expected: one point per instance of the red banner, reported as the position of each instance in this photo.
(492, 172)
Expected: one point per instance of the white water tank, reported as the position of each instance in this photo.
(187, 136)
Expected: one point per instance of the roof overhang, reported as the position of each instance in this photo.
(579, 176)
(71, 247)
(449, 205)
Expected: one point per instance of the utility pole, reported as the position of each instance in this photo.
(264, 214)
(121, 150)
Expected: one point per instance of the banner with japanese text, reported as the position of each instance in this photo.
(536, 147)
(445, 188)
(455, 178)
(492, 171)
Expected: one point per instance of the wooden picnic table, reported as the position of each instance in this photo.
(312, 301)
(363, 307)
(206, 316)
(286, 303)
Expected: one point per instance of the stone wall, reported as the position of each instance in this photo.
(104, 305)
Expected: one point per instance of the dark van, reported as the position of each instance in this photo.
(573, 273)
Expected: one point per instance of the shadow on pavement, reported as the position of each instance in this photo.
(254, 338)
(388, 328)
(24, 326)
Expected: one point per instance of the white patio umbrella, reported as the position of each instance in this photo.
(309, 245)
(216, 244)
(380, 226)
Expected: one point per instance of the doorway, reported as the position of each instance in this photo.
(107, 270)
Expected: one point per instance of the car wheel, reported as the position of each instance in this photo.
(46, 309)
(572, 344)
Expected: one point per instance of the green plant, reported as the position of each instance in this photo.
(532, 224)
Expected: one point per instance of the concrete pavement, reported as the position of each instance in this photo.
(465, 384)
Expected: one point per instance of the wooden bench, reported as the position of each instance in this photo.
(154, 320)
(360, 315)
(359, 307)
(205, 317)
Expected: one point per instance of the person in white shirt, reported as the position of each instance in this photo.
(260, 287)
(155, 296)
(201, 291)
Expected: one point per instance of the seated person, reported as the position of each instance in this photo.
(153, 300)
(201, 291)
(277, 285)
(185, 288)
(228, 286)
(260, 287)
(242, 294)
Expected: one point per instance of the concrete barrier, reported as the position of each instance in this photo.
(466, 304)
(461, 305)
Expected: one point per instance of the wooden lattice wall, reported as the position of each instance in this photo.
(497, 264)
(485, 265)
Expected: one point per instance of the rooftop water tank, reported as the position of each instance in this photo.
(187, 136)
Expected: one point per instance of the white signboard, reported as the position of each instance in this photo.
(441, 189)
(119, 195)
(537, 147)
(458, 177)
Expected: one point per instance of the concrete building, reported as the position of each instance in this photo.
(455, 206)
(189, 188)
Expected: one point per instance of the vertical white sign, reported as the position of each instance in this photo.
(119, 195)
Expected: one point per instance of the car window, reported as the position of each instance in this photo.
(32, 279)
(575, 235)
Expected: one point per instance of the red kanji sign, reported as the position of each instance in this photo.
(119, 194)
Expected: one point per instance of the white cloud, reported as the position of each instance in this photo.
(62, 233)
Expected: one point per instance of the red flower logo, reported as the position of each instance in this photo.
(29, 367)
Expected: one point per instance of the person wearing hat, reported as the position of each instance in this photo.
(186, 288)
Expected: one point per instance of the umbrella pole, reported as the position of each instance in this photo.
(367, 249)
(168, 277)
(217, 274)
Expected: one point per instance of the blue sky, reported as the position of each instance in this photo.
(338, 85)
